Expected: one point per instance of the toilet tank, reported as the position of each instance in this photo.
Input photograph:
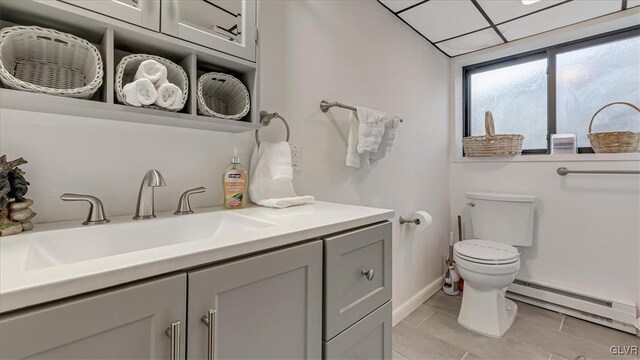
(504, 218)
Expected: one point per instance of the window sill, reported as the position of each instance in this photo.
(552, 158)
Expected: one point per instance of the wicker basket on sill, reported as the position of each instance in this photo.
(614, 141)
(492, 144)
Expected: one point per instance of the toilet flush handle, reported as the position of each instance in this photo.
(471, 204)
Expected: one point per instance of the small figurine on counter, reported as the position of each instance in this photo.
(15, 214)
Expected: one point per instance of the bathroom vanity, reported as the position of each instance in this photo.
(305, 282)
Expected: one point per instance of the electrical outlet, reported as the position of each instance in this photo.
(296, 157)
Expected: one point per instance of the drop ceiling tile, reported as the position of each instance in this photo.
(562, 15)
(397, 5)
(501, 10)
(442, 19)
(472, 42)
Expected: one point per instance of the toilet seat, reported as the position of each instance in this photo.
(486, 252)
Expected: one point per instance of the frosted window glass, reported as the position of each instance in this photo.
(590, 78)
(516, 95)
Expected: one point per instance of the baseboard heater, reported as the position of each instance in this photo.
(600, 311)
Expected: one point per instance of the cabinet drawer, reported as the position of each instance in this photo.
(349, 293)
(369, 338)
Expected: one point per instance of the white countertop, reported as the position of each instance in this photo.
(21, 287)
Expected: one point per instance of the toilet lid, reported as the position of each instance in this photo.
(486, 250)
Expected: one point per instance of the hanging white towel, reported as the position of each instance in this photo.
(370, 129)
(391, 124)
(139, 92)
(353, 157)
(278, 159)
(366, 128)
(169, 96)
(152, 70)
(264, 190)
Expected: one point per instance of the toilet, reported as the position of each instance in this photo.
(489, 262)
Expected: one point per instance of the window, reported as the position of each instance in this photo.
(557, 90)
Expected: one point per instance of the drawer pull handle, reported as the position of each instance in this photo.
(368, 273)
(210, 321)
(174, 334)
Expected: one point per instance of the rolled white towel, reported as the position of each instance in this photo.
(140, 92)
(169, 96)
(152, 70)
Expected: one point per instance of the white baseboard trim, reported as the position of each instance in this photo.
(416, 300)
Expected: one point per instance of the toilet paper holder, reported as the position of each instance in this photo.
(404, 220)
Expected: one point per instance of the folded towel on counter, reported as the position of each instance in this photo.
(391, 124)
(269, 184)
(139, 92)
(169, 96)
(152, 70)
(286, 202)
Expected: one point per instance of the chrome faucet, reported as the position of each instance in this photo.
(184, 206)
(96, 210)
(145, 206)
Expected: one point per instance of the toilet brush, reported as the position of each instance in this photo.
(450, 278)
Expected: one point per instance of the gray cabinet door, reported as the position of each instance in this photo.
(369, 338)
(267, 306)
(145, 13)
(127, 323)
(228, 26)
(357, 275)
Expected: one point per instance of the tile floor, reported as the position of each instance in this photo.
(432, 332)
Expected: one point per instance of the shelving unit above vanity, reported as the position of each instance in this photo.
(118, 37)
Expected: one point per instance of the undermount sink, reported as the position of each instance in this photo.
(66, 246)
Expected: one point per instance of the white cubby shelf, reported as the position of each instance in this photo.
(115, 39)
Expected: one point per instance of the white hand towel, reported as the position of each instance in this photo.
(152, 70)
(139, 92)
(278, 158)
(169, 96)
(265, 191)
(286, 202)
(391, 124)
(370, 129)
(353, 158)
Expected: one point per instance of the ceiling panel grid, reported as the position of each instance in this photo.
(459, 27)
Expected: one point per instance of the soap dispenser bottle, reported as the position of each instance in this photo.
(234, 184)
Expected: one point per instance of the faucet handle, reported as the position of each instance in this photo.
(96, 210)
(184, 207)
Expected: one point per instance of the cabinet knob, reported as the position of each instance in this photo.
(368, 274)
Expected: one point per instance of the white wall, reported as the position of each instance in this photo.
(352, 51)
(108, 159)
(356, 53)
(587, 233)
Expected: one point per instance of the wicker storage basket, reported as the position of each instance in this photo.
(223, 96)
(126, 70)
(47, 61)
(492, 144)
(614, 141)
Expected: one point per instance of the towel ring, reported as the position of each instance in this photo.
(265, 120)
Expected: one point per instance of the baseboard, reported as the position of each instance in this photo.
(416, 300)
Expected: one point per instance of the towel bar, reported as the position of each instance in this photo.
(562, 171)
(325, 106)
(265, 120)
